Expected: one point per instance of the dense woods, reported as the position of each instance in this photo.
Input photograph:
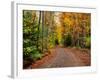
(44, 30)
(76, 29)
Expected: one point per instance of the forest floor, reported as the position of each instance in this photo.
(64, 57)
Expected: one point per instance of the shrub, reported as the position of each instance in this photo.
(88, 42)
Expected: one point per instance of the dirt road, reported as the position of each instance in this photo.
(64, 57)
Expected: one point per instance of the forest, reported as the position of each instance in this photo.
(44, 31)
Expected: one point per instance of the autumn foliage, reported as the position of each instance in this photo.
(44, 30)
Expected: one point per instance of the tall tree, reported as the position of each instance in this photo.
(39, 22)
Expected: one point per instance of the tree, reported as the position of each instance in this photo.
(39, 22)
(30, 36)
(77, 25)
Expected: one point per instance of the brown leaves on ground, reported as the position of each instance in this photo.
(83, 54)
(64, 57)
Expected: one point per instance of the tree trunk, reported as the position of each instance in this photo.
(42, 31)
(38, 28)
